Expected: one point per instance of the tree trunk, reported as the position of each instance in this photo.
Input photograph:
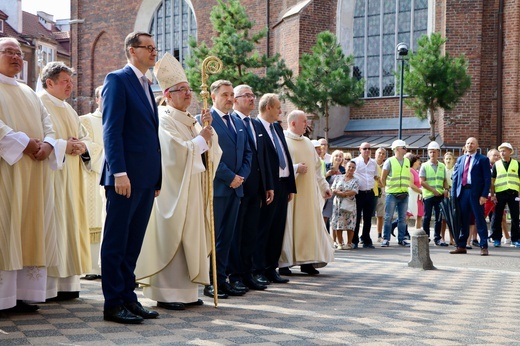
(431, 113)
(326, 129)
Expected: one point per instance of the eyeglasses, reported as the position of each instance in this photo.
(150, 48)
(12, 53)
(365, 148)
(249, 96)
(403, 148)
(182, 90)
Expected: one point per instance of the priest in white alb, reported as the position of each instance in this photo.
(27, 230)
(306, 240)
(174, 257)
(69, 188)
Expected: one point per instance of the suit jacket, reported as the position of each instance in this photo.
(480, 176)
(272, 156)
(258, 181)
(236, 156)
(130, 131)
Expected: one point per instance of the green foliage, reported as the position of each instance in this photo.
(236, 46)
(434, 80)
(325, 79)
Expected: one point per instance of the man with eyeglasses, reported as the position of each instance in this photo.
(27, 140)
(131, 176)
(234, 168)
(396, 178)
(258, 190)
(69, 187)
(366, 173)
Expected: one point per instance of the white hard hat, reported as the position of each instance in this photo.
(434, 145)
(316, 143)
(506, 145)
(398, 143)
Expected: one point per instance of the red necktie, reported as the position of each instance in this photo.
(466, 171)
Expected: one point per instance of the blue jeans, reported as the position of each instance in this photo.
(391, 204)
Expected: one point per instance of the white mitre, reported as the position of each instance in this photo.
(169, 72)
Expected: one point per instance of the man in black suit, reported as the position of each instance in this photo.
(273, 215)
(258, 190)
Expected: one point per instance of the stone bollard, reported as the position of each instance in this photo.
(420, 251)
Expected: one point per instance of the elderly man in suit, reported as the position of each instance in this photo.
(471, 182)
(131, 176)
(233, 169)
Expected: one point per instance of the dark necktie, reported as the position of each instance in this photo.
(248, 128)
(466, 171)
(230, 127)
(146, 87)
(279, 151)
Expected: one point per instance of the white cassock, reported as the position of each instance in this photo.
(306, 240)
(96, 201)
(72, 229)
(174, 256)
(27, 218)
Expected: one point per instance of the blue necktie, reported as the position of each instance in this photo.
(230, 127)
(278, 147)
(249, 131)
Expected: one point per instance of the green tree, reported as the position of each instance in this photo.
(237, 46)
(434, 80)
(325, 80)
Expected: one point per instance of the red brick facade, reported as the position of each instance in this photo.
(470, 25)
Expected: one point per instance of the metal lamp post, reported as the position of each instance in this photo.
(401, 51)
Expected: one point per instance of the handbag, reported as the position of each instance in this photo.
(347, 204)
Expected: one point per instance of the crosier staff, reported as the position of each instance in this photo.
(210, 65)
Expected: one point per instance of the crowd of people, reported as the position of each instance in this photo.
(170, 181)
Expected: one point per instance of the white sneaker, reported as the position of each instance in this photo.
(380, 239)
(385, 243)
(508, 241)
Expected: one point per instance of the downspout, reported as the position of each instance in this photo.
(267, 18)
(500, 67)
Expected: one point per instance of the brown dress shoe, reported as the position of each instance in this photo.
(458, 251)
(484, 252)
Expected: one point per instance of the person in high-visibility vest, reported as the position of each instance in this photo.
(435, 188)
(396, 178)
(505, 184)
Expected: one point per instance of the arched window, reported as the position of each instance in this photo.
(173, 23)
(379, 25)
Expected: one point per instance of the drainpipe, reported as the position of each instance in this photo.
(500, 67)
(267, 18)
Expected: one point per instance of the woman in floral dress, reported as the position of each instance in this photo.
(344, 186)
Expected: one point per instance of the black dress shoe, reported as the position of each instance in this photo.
(197, 302)
(64, 296)
(209, 291)
(273, 276)
(253, 284)
(171, 306)
(22, 307)
(229, 290)
(137, 309)
(261, 279)
(120, 314)
(239, 285)
(284, 271)
(91, 277)
(309, 269)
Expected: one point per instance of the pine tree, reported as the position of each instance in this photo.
(237, 46)
(434, 80)
(325, 79)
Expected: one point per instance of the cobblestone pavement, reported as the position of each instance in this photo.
(365, 297)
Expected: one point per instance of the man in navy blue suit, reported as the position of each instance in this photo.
(258, 190)
(233, 169)
(471, 181)
(131, 176)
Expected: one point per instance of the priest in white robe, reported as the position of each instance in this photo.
(95, 194)
(27, 154)
(306, 240)
(174, 258)
(69, 188)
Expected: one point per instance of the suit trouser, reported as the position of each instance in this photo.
(470, 203)
(226, 212)
(503, 198)
(365, 203)
(125, 226)
(272, 229)
(245, 238)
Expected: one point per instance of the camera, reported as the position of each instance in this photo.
(402, 49)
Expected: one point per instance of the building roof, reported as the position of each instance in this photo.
(416, 141)
(33, 28)
(9, 31)
(408, 123)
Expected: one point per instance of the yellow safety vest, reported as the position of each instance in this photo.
(507, 180)
(400, 179)
(434, 179)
